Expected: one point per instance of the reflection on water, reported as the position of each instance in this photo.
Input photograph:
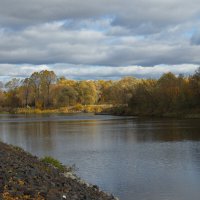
(133, 158)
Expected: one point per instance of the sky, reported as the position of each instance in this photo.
(99, 39)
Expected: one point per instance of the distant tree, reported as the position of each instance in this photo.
(26, 89)
(103, 89)
(12, 96)
(47, 79)
(194, 82)
(13, 84)
(144, 98)
(1, 85)
(2, 94)
(168, 89)
(35, 80)
(87, 92)
(67, 96)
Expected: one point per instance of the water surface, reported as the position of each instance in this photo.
(141, 159)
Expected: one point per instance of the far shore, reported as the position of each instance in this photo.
(106, 109)
(62, 110)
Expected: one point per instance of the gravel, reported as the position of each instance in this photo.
(23, 176)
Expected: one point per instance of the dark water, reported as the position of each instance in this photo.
(135, 159)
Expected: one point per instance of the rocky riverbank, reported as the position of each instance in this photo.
(25, 177)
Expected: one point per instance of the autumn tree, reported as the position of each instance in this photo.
(65, 92)
(25, 90)
(87, 93)
(103, 91)
(2, 94)
(12, 96)
(144, 98)
(35, 81)
(168, 90)
(194, 82)
(47, 78)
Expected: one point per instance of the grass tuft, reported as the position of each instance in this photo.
(52, 161)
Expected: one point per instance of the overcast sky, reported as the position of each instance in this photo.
(104, 39)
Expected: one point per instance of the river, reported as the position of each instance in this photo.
(135, 159)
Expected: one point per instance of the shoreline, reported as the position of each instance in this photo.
(106, 109)
(24, 176)
(62, 110)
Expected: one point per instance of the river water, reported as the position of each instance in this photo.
(135, 159)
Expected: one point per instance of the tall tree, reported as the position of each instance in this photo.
(12, 97)
(26, 89)
(47, 79)
(35, 81)
(194, 82)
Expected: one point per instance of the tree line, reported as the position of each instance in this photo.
(45, 90)
(168, 94)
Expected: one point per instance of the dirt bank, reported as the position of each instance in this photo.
(23, 176)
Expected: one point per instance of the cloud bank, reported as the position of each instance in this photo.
(99, 39)
(80, 72)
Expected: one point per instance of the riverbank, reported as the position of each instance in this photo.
(105, 109)
(63, 110)
(124, 110)
(25, 177)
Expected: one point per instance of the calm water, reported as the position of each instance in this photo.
(132, 158)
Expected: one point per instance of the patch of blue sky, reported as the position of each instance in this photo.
(190, 33)
(67, 23)
(99, 24)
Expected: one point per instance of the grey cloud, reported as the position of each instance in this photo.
(139, 14)
(195, 39)
(111, 33)
(52, 43)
